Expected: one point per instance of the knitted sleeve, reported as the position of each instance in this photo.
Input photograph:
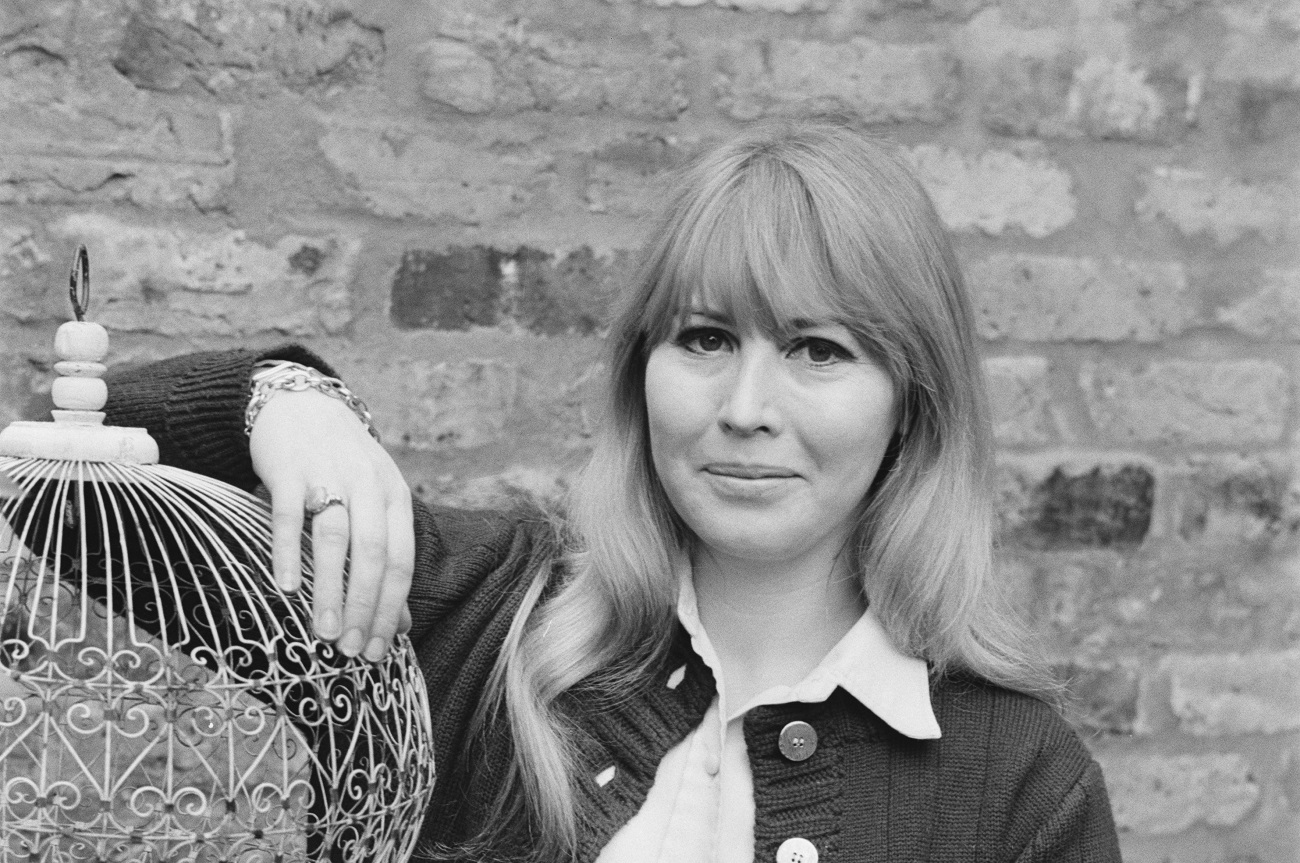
(1081, 830)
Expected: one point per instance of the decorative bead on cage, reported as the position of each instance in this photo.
(160, 698)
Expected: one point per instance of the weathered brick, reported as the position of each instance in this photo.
(25, 284)
(46, 36)
(1102, 604)
(875, 81)
(1261, 43)
(479, 65)
(1229, 500)
(1102, 697)
(1051, 298)
(1265, 114)
(181, 282)
(518, 484)
(36, 180)
(1019, 397)
(1225, 208)
(1075, 506)
(960, 8)
(1102, 507)
(1062, 597)
(64, 144)
(479, 404)
(445, 406)
(451, 290)
(403, 170)
(789, 7)
(565, 293)
(996, 191)
(1273, 312)
(1232, 402)
(1165, 794)
(1256, 693)
(19, 251)
(454, 74)
(549, 294)
(626, 177)
(19, 384)
(247, 46)
(1099, 98)
(621, 193)
(1165, 11)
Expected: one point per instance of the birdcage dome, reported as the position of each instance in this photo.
(164, 700)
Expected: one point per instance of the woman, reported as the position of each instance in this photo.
(768, 626)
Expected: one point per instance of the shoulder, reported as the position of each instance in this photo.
(1042, 788)
(967, 703)
(1014, 733)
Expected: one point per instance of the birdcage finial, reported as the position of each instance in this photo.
(79, 283)
(78, 432)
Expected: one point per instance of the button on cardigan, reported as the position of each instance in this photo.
(1007, 781)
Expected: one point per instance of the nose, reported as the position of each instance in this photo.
(749, 407)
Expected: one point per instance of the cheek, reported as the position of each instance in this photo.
(674, 405)
(853, 431)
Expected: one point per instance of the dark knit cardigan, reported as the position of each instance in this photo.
(1008, 780)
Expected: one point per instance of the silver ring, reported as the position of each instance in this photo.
(320, 499)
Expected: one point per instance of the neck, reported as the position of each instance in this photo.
(771, 624)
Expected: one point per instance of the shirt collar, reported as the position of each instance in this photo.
(864, 663)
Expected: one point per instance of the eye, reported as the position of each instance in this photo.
(821, 352)
(704, 340)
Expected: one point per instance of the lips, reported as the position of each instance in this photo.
(749, 471)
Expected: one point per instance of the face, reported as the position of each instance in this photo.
(766, 447)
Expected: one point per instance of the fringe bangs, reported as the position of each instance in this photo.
(753, 247)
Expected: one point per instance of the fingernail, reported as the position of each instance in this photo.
(376, 649)
(351, 643)
(327, 626)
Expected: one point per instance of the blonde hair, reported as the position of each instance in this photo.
(796, 220)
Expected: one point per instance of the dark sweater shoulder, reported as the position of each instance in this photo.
(1040, 790)
(972, 704)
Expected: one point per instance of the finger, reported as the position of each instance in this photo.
(367, 562)
(329, 549)
(405, 623)
(286, 538)
(396, 583)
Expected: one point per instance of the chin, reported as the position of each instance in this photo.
(764, 548)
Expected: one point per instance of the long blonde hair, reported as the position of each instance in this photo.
(796, 220)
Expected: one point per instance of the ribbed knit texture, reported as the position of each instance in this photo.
(1008, 781)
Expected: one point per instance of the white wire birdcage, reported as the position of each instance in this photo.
(164, 700)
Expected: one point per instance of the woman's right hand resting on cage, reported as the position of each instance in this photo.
(306, 440)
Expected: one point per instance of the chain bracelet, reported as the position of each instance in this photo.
(295, 377)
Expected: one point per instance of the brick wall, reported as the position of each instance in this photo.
(438, 195)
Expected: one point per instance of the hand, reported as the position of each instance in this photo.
(304, 440)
